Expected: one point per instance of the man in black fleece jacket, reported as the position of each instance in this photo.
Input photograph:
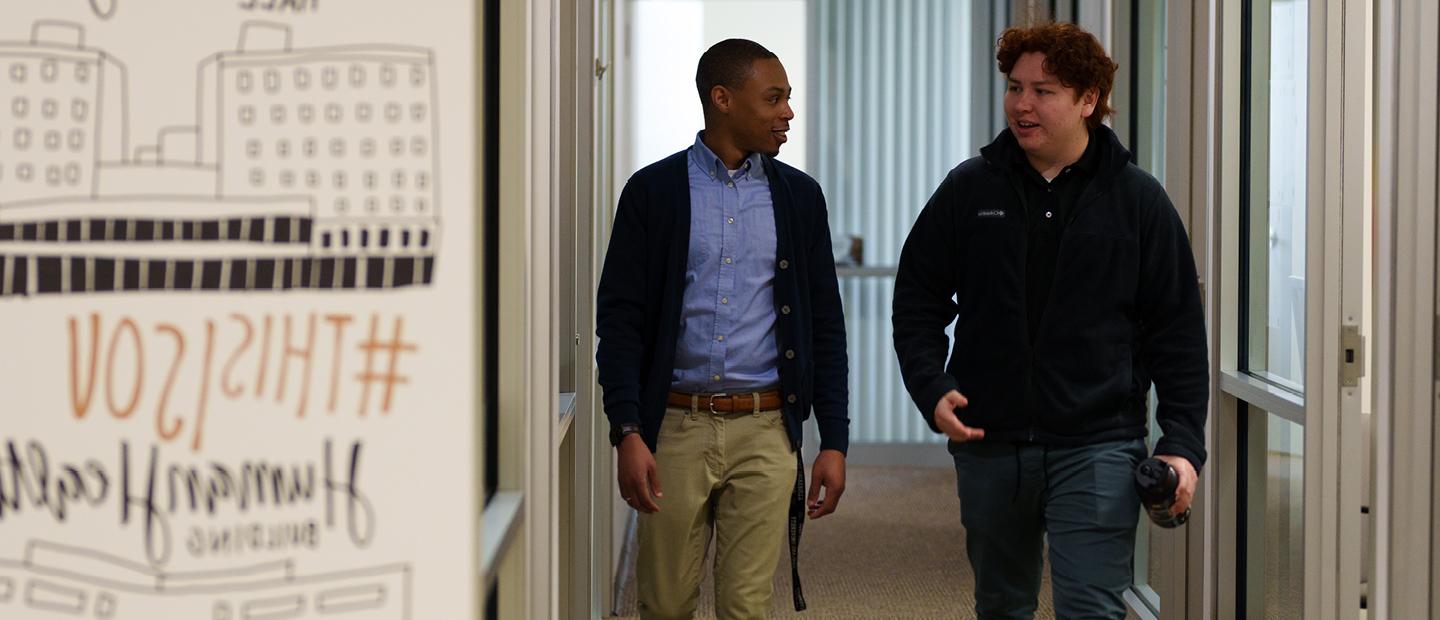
(1068, 276)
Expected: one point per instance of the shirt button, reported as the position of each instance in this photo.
(784, 309)
(720, 338)
(730, 220)
(784, 264)
(715, 377)
(790, 398)
(1049, 215)
(789, 354)
(724, 300)
(729, 184)
(728, 261)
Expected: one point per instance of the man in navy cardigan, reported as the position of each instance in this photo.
(720, 329)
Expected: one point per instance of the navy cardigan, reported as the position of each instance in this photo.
(642, 288)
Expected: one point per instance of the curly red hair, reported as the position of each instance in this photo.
(1072, 55)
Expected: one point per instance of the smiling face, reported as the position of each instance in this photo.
(757, 114)
(1046, 117)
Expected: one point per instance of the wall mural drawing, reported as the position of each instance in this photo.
(237, 348)
(307, 168)
(73, 582)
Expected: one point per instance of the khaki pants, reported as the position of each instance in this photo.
(730, 473)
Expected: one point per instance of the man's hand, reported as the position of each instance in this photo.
(1185, 491)
(950, 424)
(828, 472)
(637, 477)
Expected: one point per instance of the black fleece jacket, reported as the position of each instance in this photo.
(1123, 311)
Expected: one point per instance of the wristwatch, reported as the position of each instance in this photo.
(619, 431)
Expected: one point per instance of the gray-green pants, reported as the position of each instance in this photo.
(1012, 496)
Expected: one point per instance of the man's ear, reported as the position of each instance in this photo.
(720, 98)
(1089, 99)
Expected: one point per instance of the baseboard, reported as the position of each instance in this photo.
(899, 455)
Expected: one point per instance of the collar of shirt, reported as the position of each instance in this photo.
(706, 160)
(1089, 161)
(1087, 164)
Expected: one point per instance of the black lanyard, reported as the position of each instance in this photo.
(797, 525)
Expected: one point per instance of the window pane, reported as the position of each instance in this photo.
(1148, 541)
(1149, 55)
(900, 96)
(1150, 63)
(1275, 519)
(1277, 156)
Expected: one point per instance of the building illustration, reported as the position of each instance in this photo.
(63, 112)
(53, 580)
(307, 168)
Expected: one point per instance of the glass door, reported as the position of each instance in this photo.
(1141, 95)
(1274, 161)
(1293, 246)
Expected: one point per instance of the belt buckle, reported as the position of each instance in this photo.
(712, 401)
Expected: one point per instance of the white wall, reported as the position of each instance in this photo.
(663, 41)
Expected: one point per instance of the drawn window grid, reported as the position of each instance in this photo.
(397, 155)
(379, 109)
(333, 73)
(341, 191)
(47, 125)
(337, 189)
(409, 116)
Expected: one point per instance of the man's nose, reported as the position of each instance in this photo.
(1025, 102)
(787, 112)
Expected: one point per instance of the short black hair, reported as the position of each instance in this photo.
(727, 63)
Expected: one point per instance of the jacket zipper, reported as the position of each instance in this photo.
(1084, 201)
(1027, 398)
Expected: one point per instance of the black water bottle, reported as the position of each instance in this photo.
(1156, 481)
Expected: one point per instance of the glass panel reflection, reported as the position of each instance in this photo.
(1277, 152)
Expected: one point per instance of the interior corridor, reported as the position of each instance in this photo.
(1294, 138)
(894, 549)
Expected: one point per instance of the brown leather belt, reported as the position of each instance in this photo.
(726, 403)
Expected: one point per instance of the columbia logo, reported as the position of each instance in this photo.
(991, 213)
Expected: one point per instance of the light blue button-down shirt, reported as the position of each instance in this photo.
(727, 323)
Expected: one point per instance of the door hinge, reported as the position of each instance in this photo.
(1352, 355)
(600, 69)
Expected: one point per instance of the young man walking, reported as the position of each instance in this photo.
(1069, 279)
(720, 330)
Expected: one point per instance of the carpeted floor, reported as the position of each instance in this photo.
(894, 549)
